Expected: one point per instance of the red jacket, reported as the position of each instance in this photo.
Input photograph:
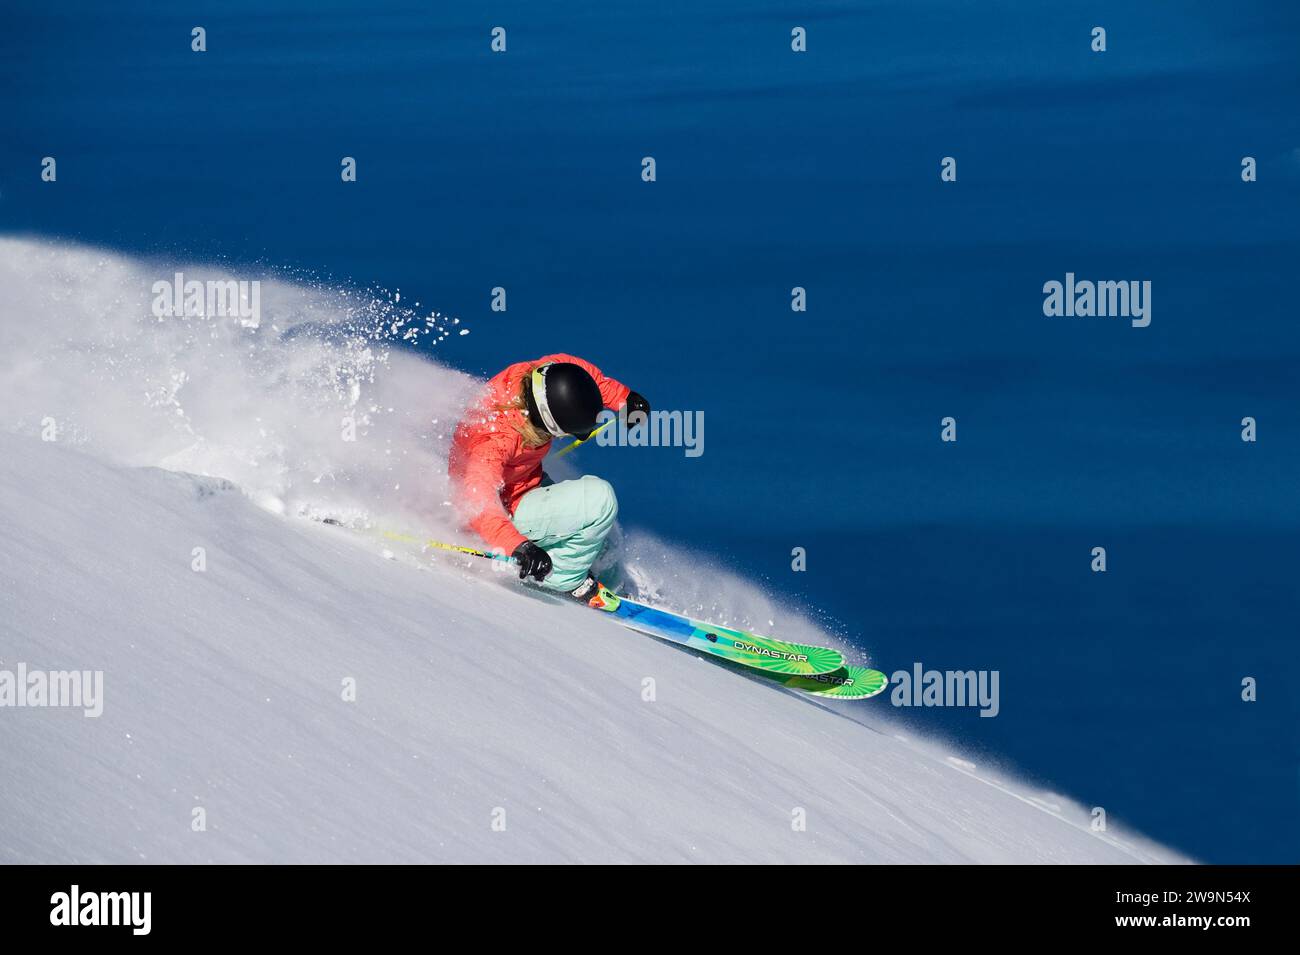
(489, 466)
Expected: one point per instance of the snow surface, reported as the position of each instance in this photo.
(475, 701)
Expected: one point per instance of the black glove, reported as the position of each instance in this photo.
(533, 561)
(636, 404)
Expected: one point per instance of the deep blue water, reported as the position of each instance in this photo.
(818, 170)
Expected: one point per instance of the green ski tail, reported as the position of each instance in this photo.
(846, 683)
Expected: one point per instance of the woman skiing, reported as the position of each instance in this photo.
(554, 531)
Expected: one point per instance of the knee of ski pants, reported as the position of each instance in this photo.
(599, 501)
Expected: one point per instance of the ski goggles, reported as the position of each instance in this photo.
(539, 398)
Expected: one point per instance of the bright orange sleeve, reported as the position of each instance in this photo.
(484, 471)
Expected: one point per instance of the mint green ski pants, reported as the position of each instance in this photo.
(569, 521)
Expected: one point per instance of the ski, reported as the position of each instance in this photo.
(754, 651)
(757, 652)
(846, 683)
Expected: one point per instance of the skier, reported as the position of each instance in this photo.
(554, 531)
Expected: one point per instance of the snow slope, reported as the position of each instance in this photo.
(475, 702)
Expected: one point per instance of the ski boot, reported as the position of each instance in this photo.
(594, 594)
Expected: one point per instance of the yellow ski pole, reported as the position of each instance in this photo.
(420, 539)
(457, 548)
(573, 444)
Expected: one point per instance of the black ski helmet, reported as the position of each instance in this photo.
(563, 399)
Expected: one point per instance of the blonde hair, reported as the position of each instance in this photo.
(533, 436)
